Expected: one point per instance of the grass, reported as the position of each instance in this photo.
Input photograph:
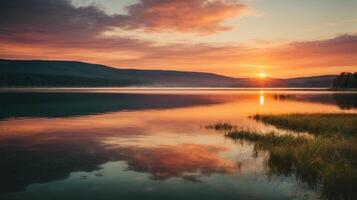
(318, 124)
(327, 162)
(221, 126)
(266, 140)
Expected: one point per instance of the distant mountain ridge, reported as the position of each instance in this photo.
(40, 73)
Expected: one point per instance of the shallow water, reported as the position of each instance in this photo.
(145, 143)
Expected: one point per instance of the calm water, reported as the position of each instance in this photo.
(145, 143)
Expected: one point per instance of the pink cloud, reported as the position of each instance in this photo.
(337, 51)
(39, 20)
(55, 29)
(202, 16)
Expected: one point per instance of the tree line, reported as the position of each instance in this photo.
(48, 80)
(346, 80)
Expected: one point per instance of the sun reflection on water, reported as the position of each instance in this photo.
(261, 98)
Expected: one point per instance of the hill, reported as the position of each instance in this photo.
(39, 73)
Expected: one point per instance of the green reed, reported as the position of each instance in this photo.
(327, 162)
(318, 124)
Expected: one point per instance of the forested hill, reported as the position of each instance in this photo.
(36, 73)
(68, 73)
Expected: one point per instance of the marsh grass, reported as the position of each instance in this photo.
(327, 162)
(318, 124)
(221, 126)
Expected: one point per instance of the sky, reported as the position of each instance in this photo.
(239, 38)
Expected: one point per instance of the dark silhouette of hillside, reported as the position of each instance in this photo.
(346, 80)
(37, 73)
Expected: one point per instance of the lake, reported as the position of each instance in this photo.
(147, 143)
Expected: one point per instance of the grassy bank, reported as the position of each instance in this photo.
(318, 124)
(327, 163)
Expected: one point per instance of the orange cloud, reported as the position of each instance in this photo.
(338, 51)
(329, 56)
(38, 20)
(202, 16)
(65, 32)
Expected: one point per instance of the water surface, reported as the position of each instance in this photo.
(146, 143)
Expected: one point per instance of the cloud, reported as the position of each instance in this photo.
(329, 56)
(55, 29)
(37, 20)
(201, 16)
(337, 51)
(42, 20)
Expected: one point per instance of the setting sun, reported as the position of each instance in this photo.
(262, 75)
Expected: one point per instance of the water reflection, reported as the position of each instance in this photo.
(261, 98)
(187, 161)
(344, 101)
(52, 138)
(50, 104)
(43, 158)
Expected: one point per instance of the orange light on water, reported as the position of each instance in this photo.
(261, 98)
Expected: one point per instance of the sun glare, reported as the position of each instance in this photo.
(261, 98)
(262, 75)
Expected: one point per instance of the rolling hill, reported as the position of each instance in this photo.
(39, 73)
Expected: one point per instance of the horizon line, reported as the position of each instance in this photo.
(171, 70)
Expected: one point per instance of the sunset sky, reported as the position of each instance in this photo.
(281, 38)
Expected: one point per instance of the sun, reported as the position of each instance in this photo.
(262, 75)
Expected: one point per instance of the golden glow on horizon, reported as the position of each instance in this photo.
(262, 75)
